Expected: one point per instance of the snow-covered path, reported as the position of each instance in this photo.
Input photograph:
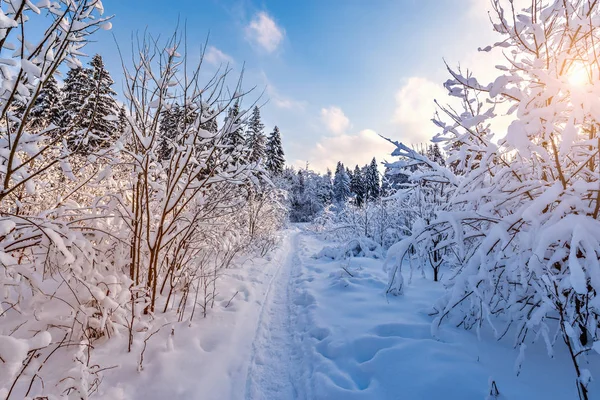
(274, 361)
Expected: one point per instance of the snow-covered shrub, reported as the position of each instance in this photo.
(522, 224)
(358, 247)
(377, 221)
(308, 193)
(421, 198)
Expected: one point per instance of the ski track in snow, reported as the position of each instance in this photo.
(274, 362)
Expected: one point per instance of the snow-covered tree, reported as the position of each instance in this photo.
(341, 184)
(122, 121)
(255, 137)
(235, 140)
(171, 119)
(308, 193)
(75, 92)
(99, 115)
(327, 187)
(372, 185)
(523, 218)
(435, 154)
(48, 106)
(274, 153)
(358, 187)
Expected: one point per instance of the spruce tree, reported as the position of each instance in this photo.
(170, 124)
(435, 154)
(235, 139)
(341, 184)
(122, 120)
(357, 186)
(373, 187)
(326, 188)
(349, 173)
(255, 140)
(76, 89)
(48, 106)
(100, 110)
(274, 153)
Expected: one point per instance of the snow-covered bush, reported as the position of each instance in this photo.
(359, 247)
(378, 221)
(308, 193)
(522, 223)
(421, 198)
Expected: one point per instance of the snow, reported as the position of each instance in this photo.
(6, 226)
(13, 352)
(292, 326)
(211, 356)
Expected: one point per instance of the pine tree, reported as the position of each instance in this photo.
(235, 139)
(435, 154)
(100, 110)
(341, 184)
(357, 186)
(255, 140)
(170, 124)
(274, 153)
(349, 173)
(76, 89)
(122, 120)
(373, 188)
(48, 106)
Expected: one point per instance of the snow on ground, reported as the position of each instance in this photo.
(209, 358)
(366, 345)
(307, 328)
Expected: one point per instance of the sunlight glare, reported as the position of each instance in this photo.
(578, 76)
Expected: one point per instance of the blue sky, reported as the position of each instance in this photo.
(336, 73)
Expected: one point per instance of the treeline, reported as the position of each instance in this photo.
(310, 193)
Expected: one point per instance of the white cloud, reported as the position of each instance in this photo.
(284, 102)
(215, 56)
(264, 32)
(335, 120)
(351, 149)
(287, 103)
(415, 107)
(280, 100)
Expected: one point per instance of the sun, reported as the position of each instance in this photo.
(578, 76)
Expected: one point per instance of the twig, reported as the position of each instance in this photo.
(232, 297)
(141, 367)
